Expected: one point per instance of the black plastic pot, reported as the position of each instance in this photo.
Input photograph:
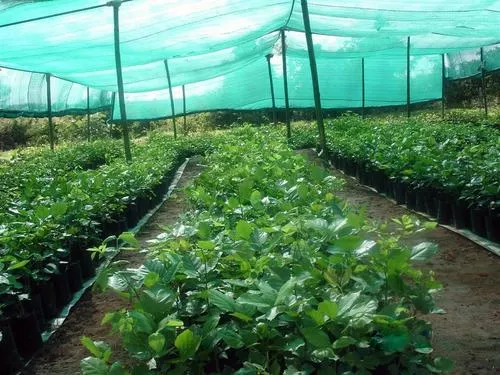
(75, 278)
(444, 215)
(411, 198)
(142, 206)
(86, 265)
(477, 220)
(461, 214)
(61, 286)
(389, 188)
(9, 356)
(430, 202)
(48, 296)
(132, 214)
(399, 192)
(27, 334)
(492, 222)
(34, 305)
(420, 195)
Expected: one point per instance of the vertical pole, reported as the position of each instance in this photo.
(273, 99)
(363, 87)
(443, 84)
(119, 79)
(285, 84)
(88, 114)
(184, 108)
(171, 98)
(314, 75)
(49, 112)
(408, 78)
(483, 84)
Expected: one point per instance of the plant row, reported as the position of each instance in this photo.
(270, 273)
(45, 231)
(450, 171)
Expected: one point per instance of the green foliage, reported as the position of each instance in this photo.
(285, 281)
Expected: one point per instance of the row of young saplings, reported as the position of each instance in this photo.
(28, 314)
(447, 208)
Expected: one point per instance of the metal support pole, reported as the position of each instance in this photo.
(285, 84)
(314, 75)
(483, 84)
(88, 114)
(443, 83)
(49, 112)
(363, 87)
(171, 98)
(184, 108)
(408, 78)
(271, 83)
(119, 79)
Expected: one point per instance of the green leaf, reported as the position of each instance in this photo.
(294, 344)
(58, 209)
(395, 343)
(285, 291)
(128, 237)
(151, 279)
(231, 338)
(91, 347)
(93, 366)
(187, 343)
(245, 189)
(142, 322)
(206, 245)
(316, 337)
(328, 308)
(441, 365)
(156, 342)
(244, 229)
(17, 265)
(117, 369)
(344, 342)
(424, 251)
(242, 316)
(255, 199)
(167, 322)
(221, 300)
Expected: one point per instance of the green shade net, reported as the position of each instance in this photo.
(216, 49)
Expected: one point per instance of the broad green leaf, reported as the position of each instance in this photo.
(221, 300)
(244, 229)
(91, 347)
(424, 251)
(245, 189)
(285, 291)
(316, 337)
(395, 343)
(151, 279)
(167, 322)
(58, 209)
(93, 366)
(142, 322)
(231, 338)
(156, 342)
(255, 198)
(17, 265)
(187, 343)
(206, 245)
(328, 308)
(241, 316)
(344, 342)
(129, 238)
(294, 344)
(441, 365)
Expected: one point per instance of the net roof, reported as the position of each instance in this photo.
(217, 50)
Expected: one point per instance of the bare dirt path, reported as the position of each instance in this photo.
(469, 331)
(61, 355)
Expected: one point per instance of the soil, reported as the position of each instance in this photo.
(61, 355)
(469, 331)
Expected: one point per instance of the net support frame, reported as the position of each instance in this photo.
(285, 85)
(271, 85)
(363, 98)
(408, 79)
(443, 84)
(88, 114)
(119, 79)
(172, 106)
(184, 125)
(49, 112)
(314, 75)
(483, 83)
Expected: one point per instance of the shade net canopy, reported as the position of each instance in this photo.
(217, 50)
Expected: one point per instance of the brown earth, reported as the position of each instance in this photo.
(61, 355)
